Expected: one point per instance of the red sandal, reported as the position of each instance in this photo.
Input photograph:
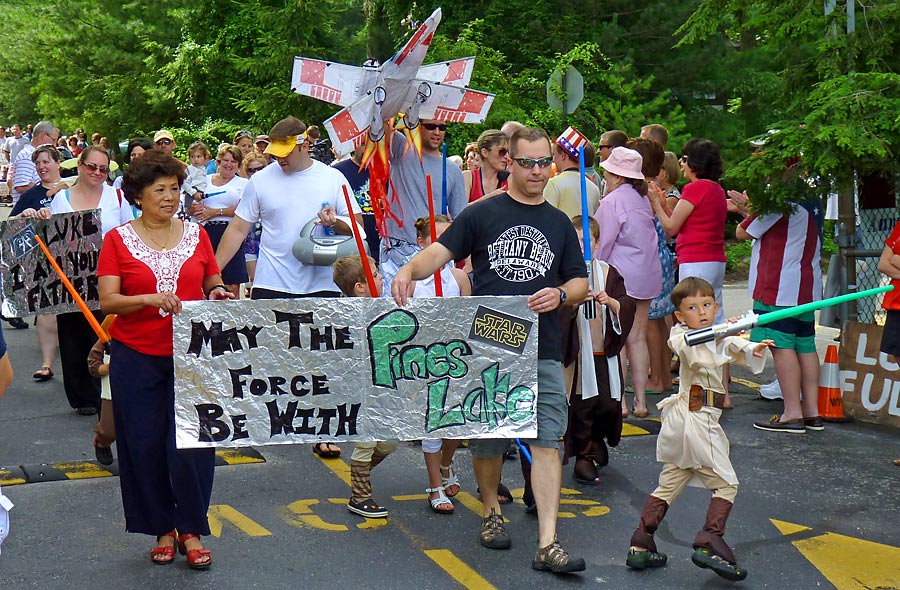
(194, 555)
(163, 555)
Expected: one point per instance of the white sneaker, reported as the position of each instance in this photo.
(771, 390)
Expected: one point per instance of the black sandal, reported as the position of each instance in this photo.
(321, 449)
(43, 374)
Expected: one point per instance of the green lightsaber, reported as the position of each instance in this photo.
(751, 320)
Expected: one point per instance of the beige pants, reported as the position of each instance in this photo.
(363, 451)
(673, 479)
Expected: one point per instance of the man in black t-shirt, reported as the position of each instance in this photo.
(520, 245)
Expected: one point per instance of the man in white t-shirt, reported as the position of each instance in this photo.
(284, 198)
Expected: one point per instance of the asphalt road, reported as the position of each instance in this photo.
(814, 511)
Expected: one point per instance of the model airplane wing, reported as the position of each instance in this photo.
(347, 129)
(456, 72)
(332, 82)
(455, 105)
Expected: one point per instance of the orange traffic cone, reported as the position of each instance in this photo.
(831, 406)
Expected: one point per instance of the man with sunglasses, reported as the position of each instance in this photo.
(164, 141)
(564, 190)
(408, 193)
(520, 245)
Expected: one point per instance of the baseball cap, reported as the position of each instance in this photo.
(282, 147)
(163, 134)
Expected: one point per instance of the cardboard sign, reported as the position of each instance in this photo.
(348, 369)
(870, 381)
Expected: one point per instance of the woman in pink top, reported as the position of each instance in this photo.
(628, 242)
(699, 221)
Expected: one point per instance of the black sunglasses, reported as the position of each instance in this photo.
(530, 162)
(163, 142)
(433, 126)
(254, 170)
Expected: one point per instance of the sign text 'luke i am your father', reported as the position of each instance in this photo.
(30, 285)
(290, 371)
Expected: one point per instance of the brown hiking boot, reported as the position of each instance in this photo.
(555, 559)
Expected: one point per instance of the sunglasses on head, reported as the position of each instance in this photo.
(163, 142)
(94, 167)
(530, 162)
(433, 126)
(254, 170)
(243, 133)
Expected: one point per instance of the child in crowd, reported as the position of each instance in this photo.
(691, 443)
(98, 367)
(595, 418)
(350, 277)
(889, 264)
(6, 377)
(443, 481)
(195, 182)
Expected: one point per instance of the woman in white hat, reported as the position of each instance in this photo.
(628, 242)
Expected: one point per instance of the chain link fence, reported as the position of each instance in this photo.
(873, 226)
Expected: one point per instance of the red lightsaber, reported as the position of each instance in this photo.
(363, 257)
(438, 287)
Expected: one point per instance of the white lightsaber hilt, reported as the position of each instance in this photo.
(744, 323)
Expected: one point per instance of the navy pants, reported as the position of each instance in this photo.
(163, 488)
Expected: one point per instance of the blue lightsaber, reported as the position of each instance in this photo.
(589, 309)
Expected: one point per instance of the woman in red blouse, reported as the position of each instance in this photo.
(147, 268)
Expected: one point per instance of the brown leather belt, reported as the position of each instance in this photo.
(700, 398)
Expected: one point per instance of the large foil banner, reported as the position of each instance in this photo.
(354, 369)
(30, 285)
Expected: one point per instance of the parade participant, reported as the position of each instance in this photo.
(6, 377)
(283, 199)
(691, 443)
(596, 422)
(609, 141)
(358, 178)
(136, 147)
(786, 271)
(443, 479)
(564, 190)
(492, 232)
(628, 243)
(658, 353)
(35, 203)
(75, 334)
(217, 208)
(244, 140)
(146, 269)
(490, 178)
(250, 165)
(408, 186)
(350, 276)
(699, 221)
(195, 188)
(45, 133)
(98, 367)
(164, 141)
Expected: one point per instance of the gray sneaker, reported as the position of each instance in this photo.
(493, 533)
(553, 558)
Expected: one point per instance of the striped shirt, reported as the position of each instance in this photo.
(785, 264)
(25, 172)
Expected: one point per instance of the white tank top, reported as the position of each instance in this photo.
(425, 287)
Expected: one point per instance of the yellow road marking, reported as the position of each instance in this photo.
(81, 470)
(235, 457)
(458, 570)
(847, 562)
(370, 523)
(338, 467)
(746, 383)
(218, 513)
(300, 513)
(414, 497)
(473, 504)
(7, 479)
(632, 430)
